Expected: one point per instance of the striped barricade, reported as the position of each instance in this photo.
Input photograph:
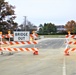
(70, 36)
(35, 50)
(12, 35)
(19, 49)
(19, 42)
(70, 44)
(34, 36)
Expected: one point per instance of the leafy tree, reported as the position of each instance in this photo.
(48, 28)
(7, 16)
(40, 31)
(45, 30)
(41, 26)
(71, 26)
(51, 28)
(74, 30)
(28, 26)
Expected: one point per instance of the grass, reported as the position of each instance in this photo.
(53, 36)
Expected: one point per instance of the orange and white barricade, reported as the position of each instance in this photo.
(20, 42)
(35, 50)
(33, 36)
(19, 49)
(1, 40)
(70, 44)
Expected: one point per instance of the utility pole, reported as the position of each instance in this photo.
(25, 23)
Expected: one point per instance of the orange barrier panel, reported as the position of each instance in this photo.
(71, 42)
(20, 42)
(12, 35)
(70, 36)
(19, 49)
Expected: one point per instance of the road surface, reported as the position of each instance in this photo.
(50, 61)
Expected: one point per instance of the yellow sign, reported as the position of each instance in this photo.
(0, 33)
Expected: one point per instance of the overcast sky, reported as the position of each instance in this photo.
(45, 11)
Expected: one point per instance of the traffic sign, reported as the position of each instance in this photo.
(0, 33)
(21, 36)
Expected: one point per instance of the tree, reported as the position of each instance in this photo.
(51, 28)
(41, 26)
(74, 30)
(7, 16)
(28, 26)
(71, 26)
(48, 28)
(45, 30)
(40, 31)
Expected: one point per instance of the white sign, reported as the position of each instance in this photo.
(21, 36)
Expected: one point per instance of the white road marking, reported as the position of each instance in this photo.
(64, 66)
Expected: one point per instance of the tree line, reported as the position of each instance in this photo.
(49, 28)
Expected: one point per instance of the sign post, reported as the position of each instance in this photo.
(9, 32)
(1, 41)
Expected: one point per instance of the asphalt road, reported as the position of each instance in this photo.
(50, 61)
(48, 43)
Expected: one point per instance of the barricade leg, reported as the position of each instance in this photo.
(35, 53)
(10, 53)
(67, 51)
(1, 53)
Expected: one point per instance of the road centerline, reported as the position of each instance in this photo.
(64, 66)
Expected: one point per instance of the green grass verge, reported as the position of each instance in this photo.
(53, 36)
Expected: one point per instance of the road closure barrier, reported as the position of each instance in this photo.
(2, 49)
(33, 36)
(19, 49)
(70, 44)
(18, 42)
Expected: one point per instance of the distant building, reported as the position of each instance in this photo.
(60, 28)
(28, 28)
